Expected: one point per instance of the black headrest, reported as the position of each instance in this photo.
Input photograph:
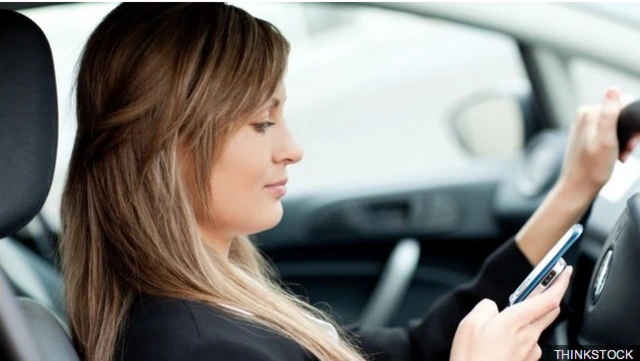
(28, 120)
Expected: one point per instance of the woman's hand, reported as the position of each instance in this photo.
(510, 335)
(592, 149)
(591, 153)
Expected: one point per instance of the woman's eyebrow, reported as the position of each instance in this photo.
(274, 102)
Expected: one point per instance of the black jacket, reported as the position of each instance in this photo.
(163, 329)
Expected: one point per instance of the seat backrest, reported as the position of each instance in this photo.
(32, 277)
(49, 332)
(16, 341)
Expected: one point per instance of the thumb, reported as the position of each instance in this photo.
(482, 312)
(532, 309)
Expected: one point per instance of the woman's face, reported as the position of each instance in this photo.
(245, 199)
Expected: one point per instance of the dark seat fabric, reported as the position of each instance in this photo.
(29, 330)
(28, 120)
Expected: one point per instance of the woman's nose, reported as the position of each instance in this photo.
(296, 151)
(291, 152)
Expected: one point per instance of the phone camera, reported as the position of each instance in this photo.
(547, 279)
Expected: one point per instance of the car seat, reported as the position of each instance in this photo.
(29, 329)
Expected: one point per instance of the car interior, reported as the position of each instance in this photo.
(378, 256)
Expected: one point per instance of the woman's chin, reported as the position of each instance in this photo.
(273, 215)
(277, 212)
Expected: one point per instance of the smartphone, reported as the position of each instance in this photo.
(548, 270)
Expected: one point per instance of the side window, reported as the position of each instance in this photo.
(372, 93)
(591, 79)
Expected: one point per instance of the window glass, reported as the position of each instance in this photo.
(591, 79)
(371, 94)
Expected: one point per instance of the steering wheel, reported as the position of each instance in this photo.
(611, 311)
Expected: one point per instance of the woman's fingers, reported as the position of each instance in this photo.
(484, 311)
(534, 308)
(543, 322)
(480, 315)
(513, 334)
(535, 353)
(610, 109)
(470, 329)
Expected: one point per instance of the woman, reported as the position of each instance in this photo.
(180, 141)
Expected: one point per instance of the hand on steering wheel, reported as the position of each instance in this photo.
(593, 144)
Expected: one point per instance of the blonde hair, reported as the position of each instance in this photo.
(154, 79)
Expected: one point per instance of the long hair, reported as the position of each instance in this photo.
(155, 79)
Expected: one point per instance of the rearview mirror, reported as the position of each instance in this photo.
(490, 123)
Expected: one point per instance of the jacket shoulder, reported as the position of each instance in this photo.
(168, 329)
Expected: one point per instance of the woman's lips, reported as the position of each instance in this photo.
(278, 188)
(281, 182)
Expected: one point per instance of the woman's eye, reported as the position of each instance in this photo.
(262, 127)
